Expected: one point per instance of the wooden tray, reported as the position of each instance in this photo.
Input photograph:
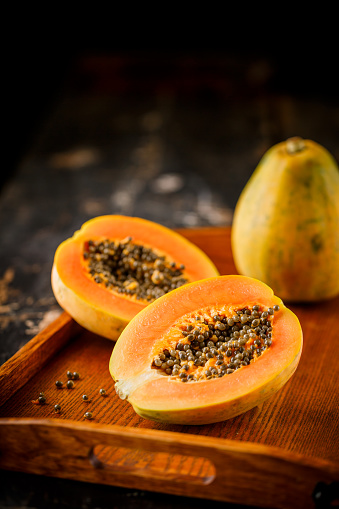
(283, 454)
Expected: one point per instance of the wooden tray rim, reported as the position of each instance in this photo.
(65, 324)
(303, 475)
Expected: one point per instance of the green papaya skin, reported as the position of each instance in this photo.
(285, 229)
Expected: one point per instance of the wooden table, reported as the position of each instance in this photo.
(172, 140)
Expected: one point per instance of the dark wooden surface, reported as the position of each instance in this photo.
(269, 446)
(169, 137)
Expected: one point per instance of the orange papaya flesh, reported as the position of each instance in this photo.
(104, 310)
(156, 395)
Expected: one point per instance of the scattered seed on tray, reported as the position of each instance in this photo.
(41, 400)
(72, 375)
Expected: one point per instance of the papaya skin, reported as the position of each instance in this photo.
(285, 228)
(85, 314)
(158, 397)
(96, 308)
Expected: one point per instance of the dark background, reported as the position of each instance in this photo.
(223, 99)
(298, 51)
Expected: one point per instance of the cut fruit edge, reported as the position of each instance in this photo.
(70, 273)
(145, 387)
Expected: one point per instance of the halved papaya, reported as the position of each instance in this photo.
(115, 265)
(207, 351)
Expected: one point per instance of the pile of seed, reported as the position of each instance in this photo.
(218, 346)
(132, 269)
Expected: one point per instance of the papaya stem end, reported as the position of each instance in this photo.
(295, 145)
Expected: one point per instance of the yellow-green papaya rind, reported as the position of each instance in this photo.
(285, 228)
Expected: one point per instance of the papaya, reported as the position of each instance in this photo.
(285, 228)
(207, 351)
(114, 266)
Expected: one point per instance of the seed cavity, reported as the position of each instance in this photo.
(217, 345)
(132, 269)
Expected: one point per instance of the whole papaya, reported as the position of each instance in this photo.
(285, 228)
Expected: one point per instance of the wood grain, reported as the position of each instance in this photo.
(290, 441)
(275, 477)
(31, 358)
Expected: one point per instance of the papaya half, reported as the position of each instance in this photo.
(285, 228)
(207, 351)
(116, 265)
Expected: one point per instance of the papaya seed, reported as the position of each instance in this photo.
(232, 344)
(132, 269)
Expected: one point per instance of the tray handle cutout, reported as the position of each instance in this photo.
(167, 462)
(159, 465)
